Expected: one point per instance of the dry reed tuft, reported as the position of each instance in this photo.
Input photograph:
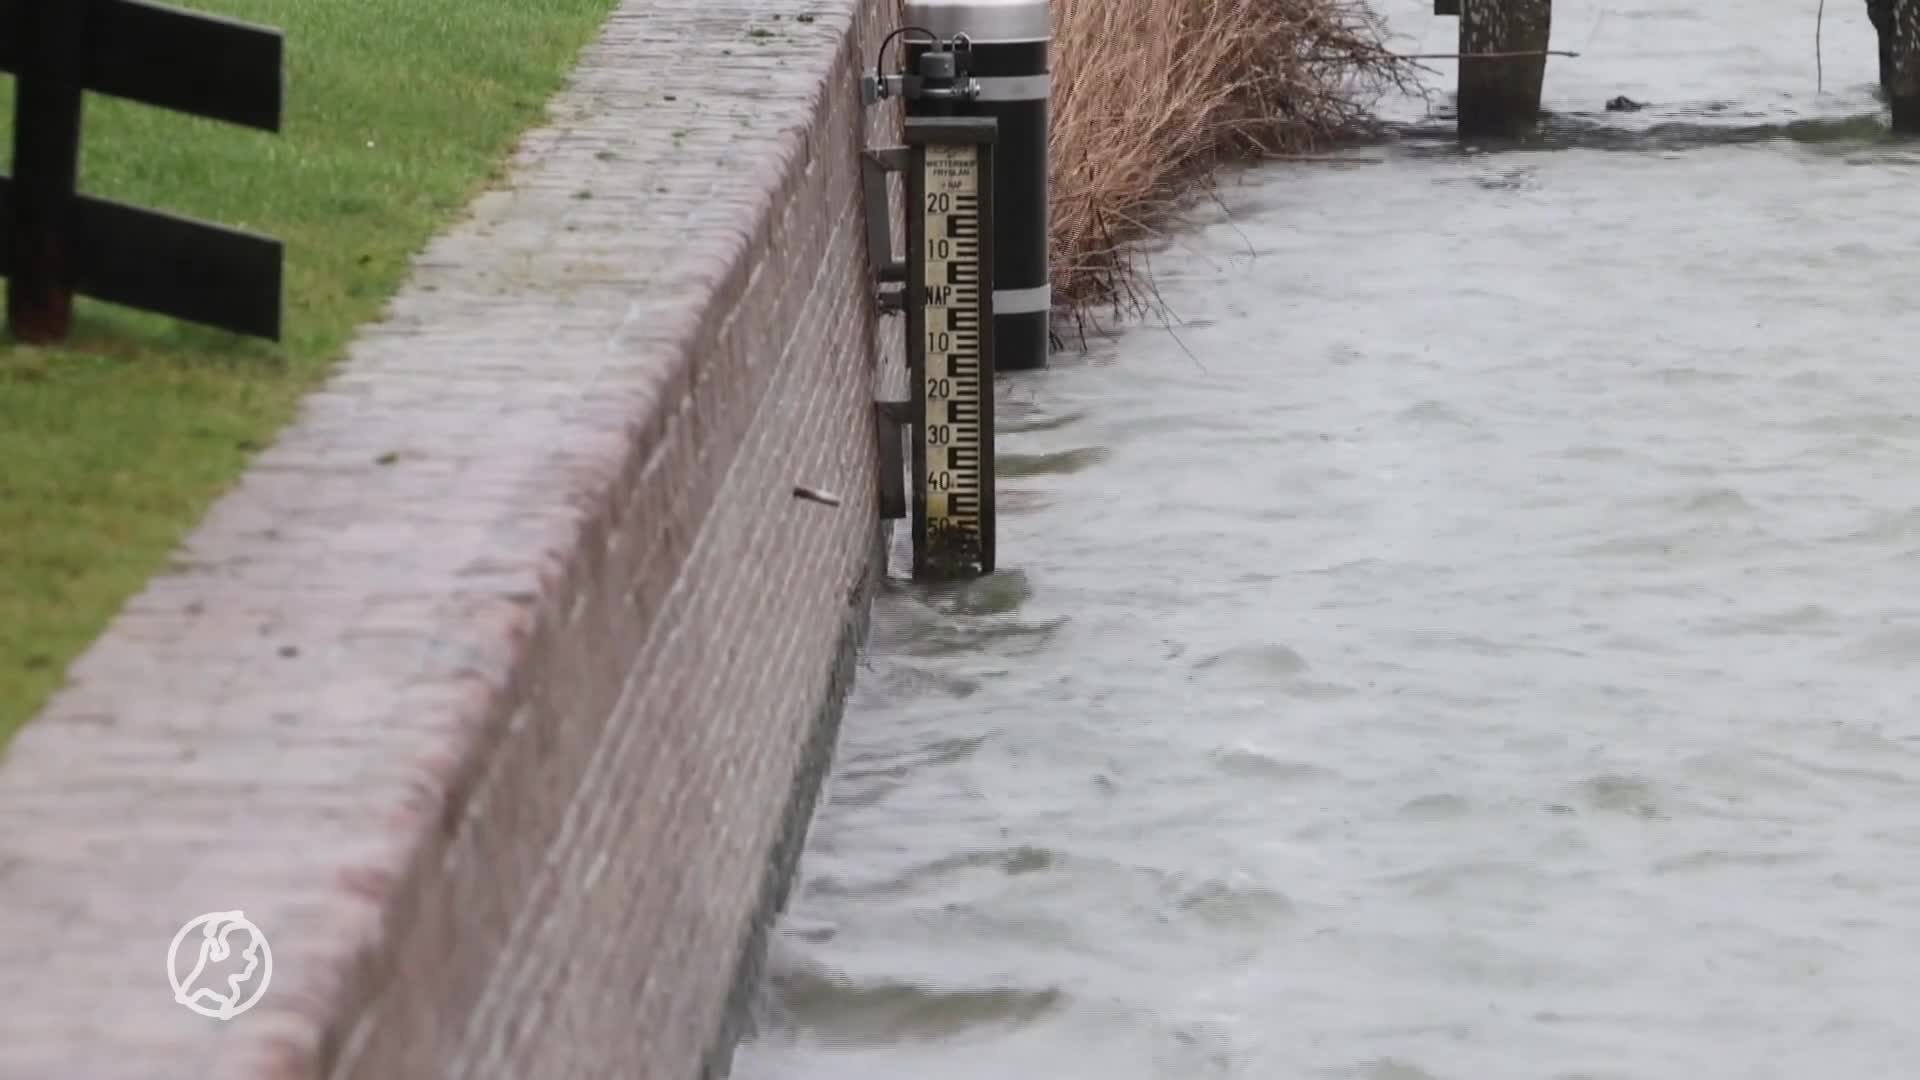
(1150, 96)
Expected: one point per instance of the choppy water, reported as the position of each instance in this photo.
(1481, 643)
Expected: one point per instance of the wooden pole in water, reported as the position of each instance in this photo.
(1903, 83)
(1880, 14)
(1500, 97)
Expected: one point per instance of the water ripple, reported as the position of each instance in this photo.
(844, 1012)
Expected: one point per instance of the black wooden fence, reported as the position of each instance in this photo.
(56, 242)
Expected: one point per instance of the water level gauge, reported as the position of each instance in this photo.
(949, 304)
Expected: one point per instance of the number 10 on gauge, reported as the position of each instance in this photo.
(949, 303)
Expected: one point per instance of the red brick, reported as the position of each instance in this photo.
(498, 742)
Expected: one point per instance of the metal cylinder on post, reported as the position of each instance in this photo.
(1008, 46)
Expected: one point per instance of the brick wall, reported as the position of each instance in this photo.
(497, 692)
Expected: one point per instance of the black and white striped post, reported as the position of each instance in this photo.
(1008, 44)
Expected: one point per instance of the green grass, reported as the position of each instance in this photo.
(398, 112)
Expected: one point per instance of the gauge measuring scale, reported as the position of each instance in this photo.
(949, 302)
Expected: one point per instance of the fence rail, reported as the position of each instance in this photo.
(56, 242)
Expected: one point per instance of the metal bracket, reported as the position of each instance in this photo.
(873, 90)
(892, 418)
(874, 167)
